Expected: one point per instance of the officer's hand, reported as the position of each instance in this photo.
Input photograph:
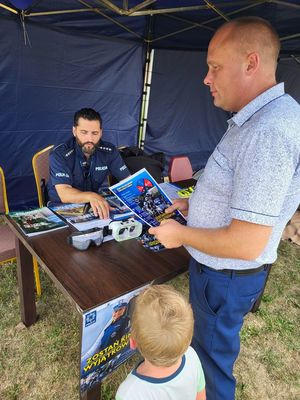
(100, 206)
(179, 204)
(170, 233)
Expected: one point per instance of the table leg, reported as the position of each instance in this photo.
(26, 284)
(93, 394)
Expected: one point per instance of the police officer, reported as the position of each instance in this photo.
(118, 327)
(79, 166)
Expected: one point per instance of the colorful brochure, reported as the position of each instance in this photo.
(80, 222)
(143, 195)
(81, 215)
(37, 221)
(146, 198)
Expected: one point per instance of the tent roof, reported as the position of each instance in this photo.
(181, 24)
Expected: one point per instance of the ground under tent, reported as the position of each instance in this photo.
(58, 56)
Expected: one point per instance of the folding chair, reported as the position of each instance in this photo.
(40, 165)
(180, 168)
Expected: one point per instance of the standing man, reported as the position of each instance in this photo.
(248, 192)
(79, 166)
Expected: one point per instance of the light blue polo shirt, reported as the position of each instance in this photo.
(253, 175)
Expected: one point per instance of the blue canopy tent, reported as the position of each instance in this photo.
(59, 56)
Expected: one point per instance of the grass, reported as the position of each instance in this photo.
(42, 362)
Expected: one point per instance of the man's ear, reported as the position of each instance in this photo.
(132, 343)
(253, 62)
(74, 131)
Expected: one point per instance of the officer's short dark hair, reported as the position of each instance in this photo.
(89, 114)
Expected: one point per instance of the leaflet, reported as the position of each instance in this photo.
(142, 194)
(37, 221)
(81, 215)
(80, 222)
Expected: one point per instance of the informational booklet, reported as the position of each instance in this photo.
(70, 209)
(81, 215)
(80, 222)
(142, 194)
(37, 221)
(105, 339)
(119, 209)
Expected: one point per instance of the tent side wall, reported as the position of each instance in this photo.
(42, 85)
(182, 117)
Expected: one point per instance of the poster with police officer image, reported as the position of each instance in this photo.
(105, 339)
(142, 194)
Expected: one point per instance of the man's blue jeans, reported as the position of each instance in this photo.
(220, 302)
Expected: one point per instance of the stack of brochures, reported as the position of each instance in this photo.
(79, 220)
(81, 215)
(37, 221)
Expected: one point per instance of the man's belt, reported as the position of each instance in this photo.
(250, 271)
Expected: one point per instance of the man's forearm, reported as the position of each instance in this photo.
(68, 194)
(72, 195)
(240, 240)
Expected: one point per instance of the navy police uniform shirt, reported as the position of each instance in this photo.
(114, 332)
(69, 166)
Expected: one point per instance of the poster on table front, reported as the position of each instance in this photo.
(105, 339)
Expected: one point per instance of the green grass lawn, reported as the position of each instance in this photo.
(42, 362)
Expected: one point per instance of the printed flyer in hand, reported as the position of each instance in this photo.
(142, 194)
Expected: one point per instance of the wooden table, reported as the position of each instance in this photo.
(91, 277)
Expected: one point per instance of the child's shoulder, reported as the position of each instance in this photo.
(190, 352)
(192, 359)
(128, 388)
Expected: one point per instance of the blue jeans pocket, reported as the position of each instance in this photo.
(247, 293)
(208, 296)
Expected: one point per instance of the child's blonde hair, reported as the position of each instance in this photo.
(162, 324)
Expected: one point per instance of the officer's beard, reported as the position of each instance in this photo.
(87, 150)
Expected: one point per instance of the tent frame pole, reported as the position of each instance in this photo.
(145, 97)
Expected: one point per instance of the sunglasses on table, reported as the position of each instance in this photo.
(83, 240)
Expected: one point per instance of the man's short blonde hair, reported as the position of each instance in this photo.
(162, 324)
(255, 34)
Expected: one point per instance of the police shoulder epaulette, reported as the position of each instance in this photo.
(69, 153)
(105, 147)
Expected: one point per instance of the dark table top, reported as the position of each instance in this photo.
(99, 274)
(92, 277)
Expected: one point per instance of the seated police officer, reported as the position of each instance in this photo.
(79, 166)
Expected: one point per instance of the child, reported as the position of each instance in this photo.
(162, 329)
